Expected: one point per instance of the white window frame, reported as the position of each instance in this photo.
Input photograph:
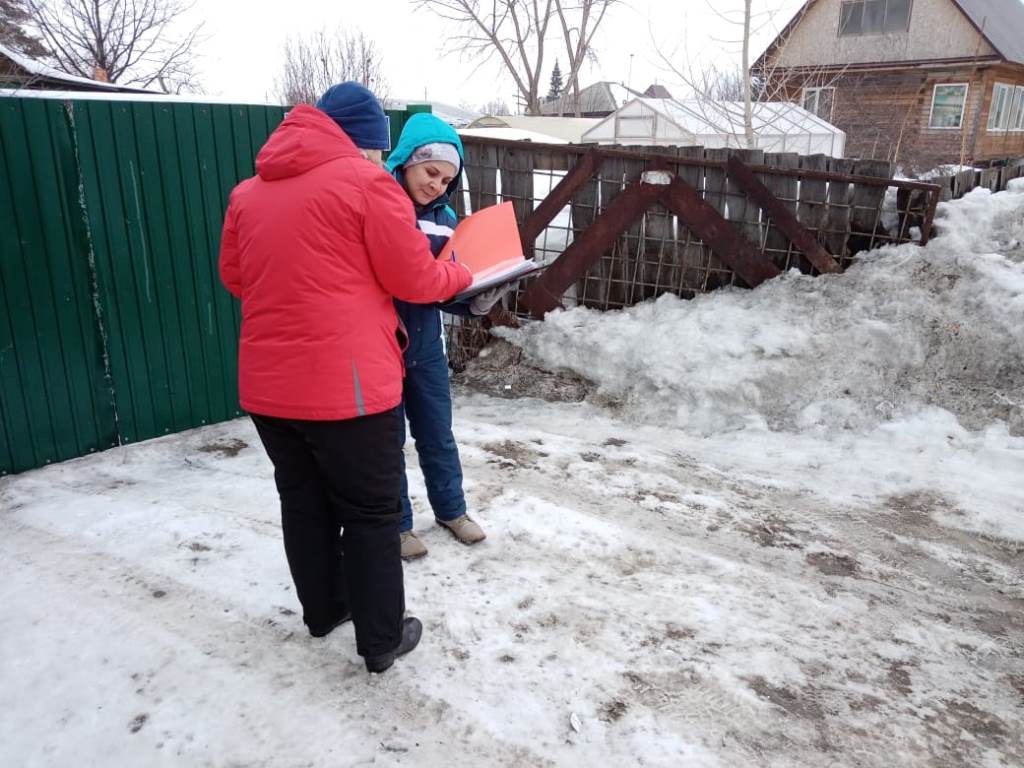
(1017, 109)
(839, 30)
(817, 100)
(999, 116)
(963, 108)
(636, 127)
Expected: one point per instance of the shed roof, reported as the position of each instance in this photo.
(37, 73)
(604, 96)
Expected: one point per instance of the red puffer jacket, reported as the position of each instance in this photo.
(315, 246)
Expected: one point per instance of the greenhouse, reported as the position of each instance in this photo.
(778, 126)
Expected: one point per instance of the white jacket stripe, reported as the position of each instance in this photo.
(430, 228)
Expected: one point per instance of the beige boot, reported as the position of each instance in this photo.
(412, 547)
(464, 529)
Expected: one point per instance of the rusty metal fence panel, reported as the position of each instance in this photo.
(845, 206)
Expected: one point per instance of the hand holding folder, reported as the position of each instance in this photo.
(488, 244)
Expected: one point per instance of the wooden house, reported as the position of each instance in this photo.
(919, 82)
(599, 99)
(21, 73)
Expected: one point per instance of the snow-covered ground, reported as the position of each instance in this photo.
(786, 529)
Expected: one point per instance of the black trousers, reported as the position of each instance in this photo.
(339, 483)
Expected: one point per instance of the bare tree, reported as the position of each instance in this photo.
(496, 106)
(579, 20)
(723, 83)
(748, 112)
(13, 19)
(512, 31)
(515, 33)
(728, 99)
(315, 62)
(131, 42)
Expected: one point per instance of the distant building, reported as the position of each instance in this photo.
(22, 73)
(457, 117)
(598, 100)
(657, 92)
(920, 82)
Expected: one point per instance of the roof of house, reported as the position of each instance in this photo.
(600, 97)
(37, 73)
(1000, 21)
(657, 91)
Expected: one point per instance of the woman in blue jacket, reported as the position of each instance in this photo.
(428, 162)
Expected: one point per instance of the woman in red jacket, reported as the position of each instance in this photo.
(317, 245)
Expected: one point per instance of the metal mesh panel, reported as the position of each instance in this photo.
(834, 200)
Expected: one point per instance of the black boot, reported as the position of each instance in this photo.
(412, 630)
(328, 628)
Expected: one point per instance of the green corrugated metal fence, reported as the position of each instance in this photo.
(115, 327)
(56, 396)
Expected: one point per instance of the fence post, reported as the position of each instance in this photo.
(786, 190)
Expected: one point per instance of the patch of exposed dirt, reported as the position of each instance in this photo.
(612, 711)
(831, 564)
(225, 448)
(512, 454)
(501, 370)
(672, 633)
(797, 703)
(772, 532)
(898, 677)
(952, 718)
(1017, 683)
(137, 722)
(916, 507)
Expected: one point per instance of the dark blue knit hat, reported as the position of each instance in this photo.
(358, 113)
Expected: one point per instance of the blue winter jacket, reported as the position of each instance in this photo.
(437, 221)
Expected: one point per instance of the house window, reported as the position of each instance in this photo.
(874, 17)
(1007, 110)
(999, 110)
(820, 101)
(1017, 112)
(948, 101)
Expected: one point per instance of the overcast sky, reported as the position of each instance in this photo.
(242, 53)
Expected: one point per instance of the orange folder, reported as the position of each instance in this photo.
(488, 243)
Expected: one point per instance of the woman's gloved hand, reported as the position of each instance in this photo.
(482, 303)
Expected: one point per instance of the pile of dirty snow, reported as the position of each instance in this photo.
(904, 331)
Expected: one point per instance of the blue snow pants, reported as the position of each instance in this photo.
(427, 404)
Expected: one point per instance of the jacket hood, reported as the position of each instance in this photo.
(307, 138)
(420, 129)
